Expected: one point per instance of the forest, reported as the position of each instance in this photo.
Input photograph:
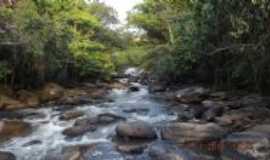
(90, 78)
(221, 43)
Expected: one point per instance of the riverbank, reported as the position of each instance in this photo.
(55, 94)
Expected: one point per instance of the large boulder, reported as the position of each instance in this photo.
(50, 92)
(183, 133)
(192, 95)
(251, 144)
(136, 130)
(11, 129)
(7, 156)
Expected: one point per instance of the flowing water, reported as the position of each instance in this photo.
(47, 129)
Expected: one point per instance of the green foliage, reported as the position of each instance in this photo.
(151, 17)
(226, 42)
(56, 41)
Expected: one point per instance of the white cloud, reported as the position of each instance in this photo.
(122, 7)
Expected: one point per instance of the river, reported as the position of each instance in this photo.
(47, 127)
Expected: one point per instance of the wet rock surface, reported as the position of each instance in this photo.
(136, 130)
(10, 129)
(163, 150)
(7, 156)
(251, 144)
(71, 115)
(98, 151)
(192, 132)
(192, 95)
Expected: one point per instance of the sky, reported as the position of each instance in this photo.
(122, 7)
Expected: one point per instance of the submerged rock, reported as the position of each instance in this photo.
(192, 132)
(136, 130)
(33, 142)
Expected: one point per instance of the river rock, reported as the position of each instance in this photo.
(136, 110)
(192, 132)
(213, 112)
(210, 103)
(11, 115)
(7, 156)
(10, 129)
(261, 128)
(71, 115)
(134, 87)
(192, 95)
(169, 151)
(157, 88)
(229, 154)
(76, 131)
(136, 130)
(50, 92)
(219, 95)
(99, 151)
(30, 99)
(107, 118)
(8, 103)
(132, 149)
(252, 144)
(74, 100)
(197, 110)
(33, 142)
